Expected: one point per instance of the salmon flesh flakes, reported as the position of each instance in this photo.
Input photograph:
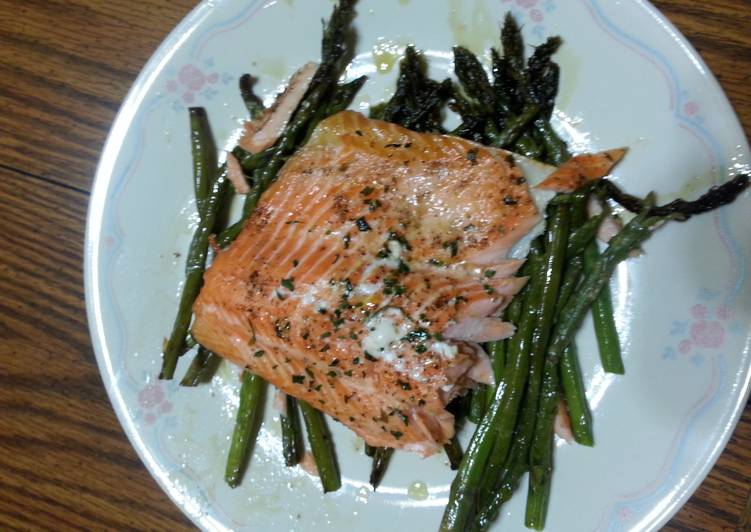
(369, 273)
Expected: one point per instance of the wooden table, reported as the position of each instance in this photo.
(65, 67)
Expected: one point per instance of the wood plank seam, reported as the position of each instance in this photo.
(46, 179)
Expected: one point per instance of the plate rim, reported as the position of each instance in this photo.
(104, 177)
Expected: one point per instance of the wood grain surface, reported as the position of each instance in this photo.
(65, 67)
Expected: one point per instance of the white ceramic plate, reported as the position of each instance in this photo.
(683, 309)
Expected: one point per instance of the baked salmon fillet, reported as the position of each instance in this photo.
(369, 274)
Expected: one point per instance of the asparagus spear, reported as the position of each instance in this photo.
(495, 426)
(497, 351)
(631, 237)
(335, 50)
(477, 403)
(454, 452)
(322, 447)
(202, 368)
(681, 210)
(549, 277)
(204, 155)
(253, 103)
(340, 100)
(250, 162)
(544, 75)
(381, 458)
(512, 42)
(576, 397)
(418, 100)
(246, 428)
(602, 314)
(291, 441)
(571, 378)
(636, 232)
(584, 234)
(508, 97)
(514, 128)
(194, 267)
(209, 188)
(473, 78)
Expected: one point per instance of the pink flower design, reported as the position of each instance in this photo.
(191, 81)
(699, 312)
(153, 403)
(707, 333)
(191, 77)
(624, 514)
(526, 3)
(536, 15)
(706, 329)
(150, 396)
(724, 313)
(691, 108)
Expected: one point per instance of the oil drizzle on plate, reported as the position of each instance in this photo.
(478, 29)
(418, 491)
(385, 55)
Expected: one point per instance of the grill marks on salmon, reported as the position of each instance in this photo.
(368, 275)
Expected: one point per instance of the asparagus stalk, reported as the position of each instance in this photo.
(576, 397)
(495, 426)
(204, 155)
(322, 447)
(291, 441)
(454, 452)
(209, 188)
(636, 232)
(253, 103)
(195, 266)
(381, 458)
(334, 51)
(202, 368)
(514, 128)
(680, 210)
(602, 314)
(584, 234)
(473, 78)
(250, 162)
(549, 277)
(478, 401)
(630, 238)
(418, 100)
(246, 428)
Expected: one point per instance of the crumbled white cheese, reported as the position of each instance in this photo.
(385, 331)
(395, 249)
(310, 294)
(391, 262)
(368, 289)
(444, 349)
(417, 375)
